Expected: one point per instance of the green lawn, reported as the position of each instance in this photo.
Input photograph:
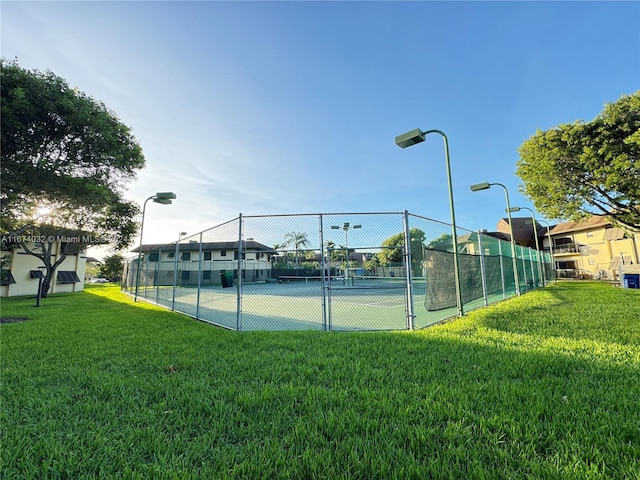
(546, 385)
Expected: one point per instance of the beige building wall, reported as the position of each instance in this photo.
(597, 252)
(22, 263)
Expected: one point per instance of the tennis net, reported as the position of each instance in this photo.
(378, 282)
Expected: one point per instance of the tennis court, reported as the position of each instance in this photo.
(399, 275)
(308, 303)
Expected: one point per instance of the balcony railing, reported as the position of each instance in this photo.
(566, 248)
(573, 273)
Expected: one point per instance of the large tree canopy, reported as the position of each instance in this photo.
(393, 249)
(65, 161)
(586, 168)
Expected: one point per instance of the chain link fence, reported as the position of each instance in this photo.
(332, 271)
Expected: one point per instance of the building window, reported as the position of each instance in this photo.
(6, 278)
(206, 275)
(68, 277)
(592, 261)
(207, 256)
(562, 241)
(589, 234)
(568, 265)
(171, 254)
(185, 256)
(223, 253)
(154, 256)
(184, 275)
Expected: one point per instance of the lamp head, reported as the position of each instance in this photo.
(512, 209)
(410, 138)
(165, 196)
(357, 226)
(182, 233)
(335, 227)
(480, 186)
(162, 201)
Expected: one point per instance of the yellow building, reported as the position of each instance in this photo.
(593, 248)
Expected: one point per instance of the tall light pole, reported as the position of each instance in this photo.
(346, 227)
(418, 136)
(485, 186)
(175, 269)
(163, 198)
(535, 233)
(553, 265)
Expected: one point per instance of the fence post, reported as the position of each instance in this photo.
(483, 271)
(146, 276)
(199, 278)
(239, 279)
(324, 277)
(524, 267)
(407, 266)
(533, 275)
(504, 288)
(156, 275)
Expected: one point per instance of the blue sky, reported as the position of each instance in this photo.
(292, 107)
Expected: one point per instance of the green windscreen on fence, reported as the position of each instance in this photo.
(440, 278)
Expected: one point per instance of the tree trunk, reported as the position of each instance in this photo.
(46, 283)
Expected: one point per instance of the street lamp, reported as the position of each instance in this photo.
(163, 198)
(535, 233)
(553, 265)
(346, 227)
(485, 186)
(40, 272)
(175, 269)
(418, 136)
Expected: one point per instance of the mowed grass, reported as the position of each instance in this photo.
(546, 385)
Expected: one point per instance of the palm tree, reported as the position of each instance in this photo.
(330, 247)
(297, 240)
(278, 247)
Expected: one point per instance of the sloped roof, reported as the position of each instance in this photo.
(593, 222)
(194, 246)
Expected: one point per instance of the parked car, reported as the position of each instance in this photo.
(98, 280)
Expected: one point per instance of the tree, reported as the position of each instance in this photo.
(581, 169)
(417, 238)
(372, 264)
(390, 254)
(444, 242)
(330, 247)
(392, 250)
(279, 246)
(92, 270)
(66, 159)
(111, 267)
(296, 240)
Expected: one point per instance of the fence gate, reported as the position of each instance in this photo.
(359, 300)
